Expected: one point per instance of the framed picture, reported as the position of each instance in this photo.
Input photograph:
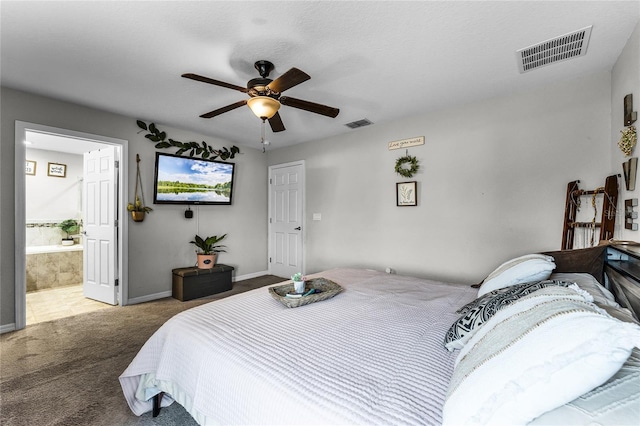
(30, 168)
(57, 170)
(406, 194)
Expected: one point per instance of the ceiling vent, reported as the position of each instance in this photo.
(358, 123)
(557, 49)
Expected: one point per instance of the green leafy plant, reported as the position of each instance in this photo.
(194, 149)
(209, 245)
(69, 226)
(298, 277)
(138, 207)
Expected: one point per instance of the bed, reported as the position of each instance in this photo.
(373, 354)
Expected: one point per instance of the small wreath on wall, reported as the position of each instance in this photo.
(407, 166)
(628, 140)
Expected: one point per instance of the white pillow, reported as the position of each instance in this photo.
(588, 282)
(523, 269)
(527, 360)
(616, 402)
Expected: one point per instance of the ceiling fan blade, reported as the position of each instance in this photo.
(224, 109)
(310, 106)
(276, 123)
(291, 78)
(214, 82)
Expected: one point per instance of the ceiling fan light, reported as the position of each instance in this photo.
(263, 106)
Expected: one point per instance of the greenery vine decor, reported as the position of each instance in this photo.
(407, 166)
(194, 148)
(628, 140)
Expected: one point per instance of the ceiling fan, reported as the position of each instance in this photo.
(265, 95)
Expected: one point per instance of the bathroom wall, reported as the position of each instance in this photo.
(51, 198)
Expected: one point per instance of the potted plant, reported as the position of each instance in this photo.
(138, 210)
(209, 249)
(69, 226)
(298, 282)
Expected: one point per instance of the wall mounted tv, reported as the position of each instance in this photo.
(184, 180)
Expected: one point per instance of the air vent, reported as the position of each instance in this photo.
(557, 49)
(358, 123)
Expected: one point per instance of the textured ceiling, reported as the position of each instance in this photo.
(375, 60)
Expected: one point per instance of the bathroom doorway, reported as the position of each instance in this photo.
(50, 274)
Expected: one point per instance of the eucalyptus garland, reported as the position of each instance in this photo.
(195, 149)
(407, 166)
(628, 140)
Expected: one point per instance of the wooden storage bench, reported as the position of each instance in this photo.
(192, 283)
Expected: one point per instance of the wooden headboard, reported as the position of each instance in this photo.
(615, 265)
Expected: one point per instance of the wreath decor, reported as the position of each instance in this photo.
(628, 140)
(407, 166)
(195, 149)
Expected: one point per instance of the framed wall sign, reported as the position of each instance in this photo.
(30, 167)
(57, 170)
(406, 194)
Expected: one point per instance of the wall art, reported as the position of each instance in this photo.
(57, 170)
(406, 194)
(30, 167)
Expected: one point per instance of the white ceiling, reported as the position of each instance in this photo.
(375, 60)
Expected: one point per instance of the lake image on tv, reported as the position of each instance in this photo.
(188, 180)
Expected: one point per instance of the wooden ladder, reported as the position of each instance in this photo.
(608, 220)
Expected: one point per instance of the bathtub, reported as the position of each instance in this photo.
(53, 266)
(53, 249)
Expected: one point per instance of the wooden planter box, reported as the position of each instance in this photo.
(192, 283)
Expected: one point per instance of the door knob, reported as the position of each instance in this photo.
(297, 229)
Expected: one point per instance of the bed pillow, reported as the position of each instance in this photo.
(482, 309)
(587, 282)
(527, 268)
(530, 359)
(613, 403)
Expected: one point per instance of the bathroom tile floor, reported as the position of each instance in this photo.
(51, 304)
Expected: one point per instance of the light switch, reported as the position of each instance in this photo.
(317, 216)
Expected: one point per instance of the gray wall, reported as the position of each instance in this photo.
(492, 183)
(161, 242)
(625, 79)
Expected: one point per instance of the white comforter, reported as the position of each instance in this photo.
(373, 354)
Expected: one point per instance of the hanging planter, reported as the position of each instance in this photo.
(137, 208)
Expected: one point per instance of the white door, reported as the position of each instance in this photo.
(100, 244)
(286, 220)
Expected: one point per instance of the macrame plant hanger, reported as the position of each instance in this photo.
(138, 213)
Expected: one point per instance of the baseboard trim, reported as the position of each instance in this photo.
(249, 276)
(149, 298)
(7, 328)
(164, 294)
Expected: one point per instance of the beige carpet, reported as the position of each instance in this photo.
(65, 372)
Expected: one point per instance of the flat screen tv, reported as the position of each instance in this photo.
(184, 180)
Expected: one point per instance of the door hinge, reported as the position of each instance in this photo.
(270, 181)
(270, 220)
(116, 223)
(269, 260)
(117, 164)
(117, 282)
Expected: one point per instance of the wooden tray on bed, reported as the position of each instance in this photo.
(327, 288)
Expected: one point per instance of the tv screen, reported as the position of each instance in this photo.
(184, 180)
